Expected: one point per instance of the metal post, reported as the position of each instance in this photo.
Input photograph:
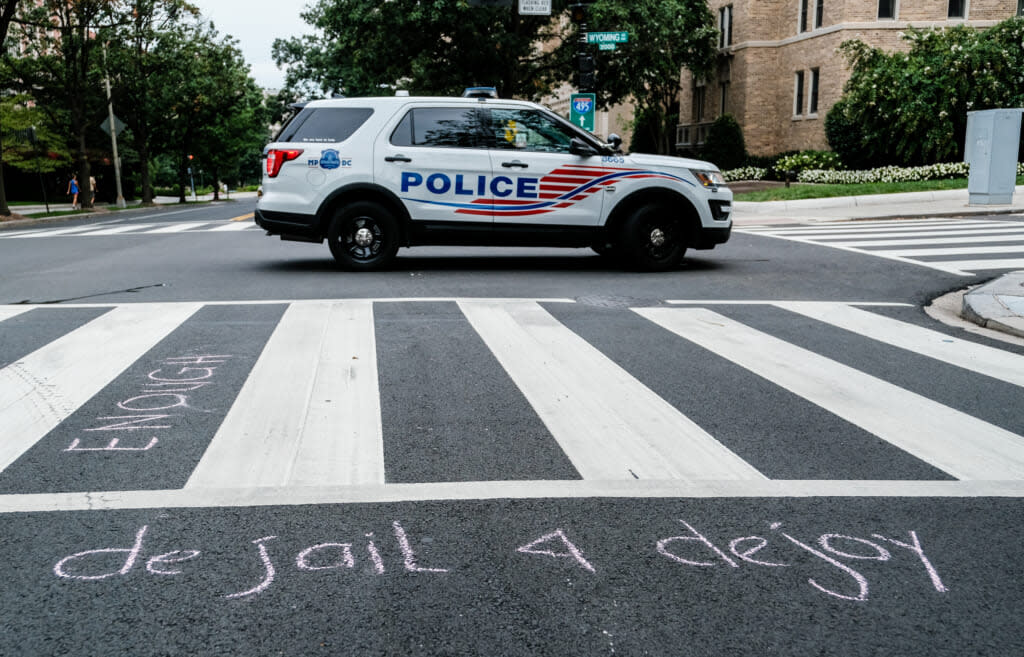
(113, 135)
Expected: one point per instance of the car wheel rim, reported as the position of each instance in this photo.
(364, 239)
(659, 240)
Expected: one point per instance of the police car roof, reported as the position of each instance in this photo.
(403, 100)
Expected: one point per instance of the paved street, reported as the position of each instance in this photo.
(213, 442)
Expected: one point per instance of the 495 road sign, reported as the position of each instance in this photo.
(581, 110)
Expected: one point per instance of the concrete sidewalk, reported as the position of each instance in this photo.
(104, 205)
(947, 203)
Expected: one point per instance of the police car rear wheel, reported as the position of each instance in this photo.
(363, 236)
(652, 239)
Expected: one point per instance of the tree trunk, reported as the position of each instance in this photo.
(84, 172)
(4, 210)
(144, 173)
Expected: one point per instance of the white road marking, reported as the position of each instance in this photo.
(958, 239)
(44, 388)
(832, 237)
(233, 226)
(610, 425)
(309, 413)
(198, 498)
(7, 312)
(996, 363)
(957, 443)
(978, 265)
(123, 228)
(178, 228)
(892, 226)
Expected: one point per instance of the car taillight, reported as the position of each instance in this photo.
(277, 157)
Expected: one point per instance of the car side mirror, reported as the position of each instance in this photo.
(615, 142)
(579, 147)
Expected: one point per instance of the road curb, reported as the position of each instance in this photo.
(998, 304)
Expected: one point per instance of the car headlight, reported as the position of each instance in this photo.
(709, 178)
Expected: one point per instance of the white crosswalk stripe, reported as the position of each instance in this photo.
(929, 243)
(106, 230)
(308, 415)
(325, 431)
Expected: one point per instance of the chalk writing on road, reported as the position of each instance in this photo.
(164, 396)
(690, 549)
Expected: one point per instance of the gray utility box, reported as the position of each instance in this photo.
(993, 139)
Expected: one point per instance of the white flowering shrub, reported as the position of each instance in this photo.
(745, 173)
(942, 171)
(808, 160)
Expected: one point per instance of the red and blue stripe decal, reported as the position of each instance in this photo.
(562, 188)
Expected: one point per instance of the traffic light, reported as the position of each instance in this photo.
(578, 12)
(587, 78)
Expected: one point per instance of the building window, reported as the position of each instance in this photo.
(802, 26)
(699, 96)
(798, 94)
(723, 95)
(819, 11)
(1020, 7)
(957, 9)
(725, 26)
(815, 78)
(887, 8)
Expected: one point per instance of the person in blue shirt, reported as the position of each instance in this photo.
(73, 191)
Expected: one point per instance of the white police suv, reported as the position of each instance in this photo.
(371, 175)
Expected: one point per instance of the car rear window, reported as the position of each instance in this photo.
(315, 125)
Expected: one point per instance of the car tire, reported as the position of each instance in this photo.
(653, 238)
(363, 236)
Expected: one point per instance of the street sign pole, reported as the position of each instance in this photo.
(113, 137)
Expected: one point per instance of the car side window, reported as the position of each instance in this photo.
(528, 130)
(439, 126)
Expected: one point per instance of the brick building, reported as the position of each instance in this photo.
(779, 72)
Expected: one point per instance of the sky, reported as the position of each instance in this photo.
(255, 24)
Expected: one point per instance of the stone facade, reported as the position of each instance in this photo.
(771, 49)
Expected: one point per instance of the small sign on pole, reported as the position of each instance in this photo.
(581, 110)
(534, 7)
(607, 37)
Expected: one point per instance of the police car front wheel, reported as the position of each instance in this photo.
(363, 236)
(653, 239)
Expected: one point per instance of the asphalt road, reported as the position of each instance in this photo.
(772, 450)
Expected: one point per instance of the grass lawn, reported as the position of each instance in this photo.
(807, 190)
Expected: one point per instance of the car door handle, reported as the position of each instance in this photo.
(397, 158)
(515, 163)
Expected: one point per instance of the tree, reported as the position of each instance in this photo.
(911, 108)
(143, 57)
(214, 106)
(666, 36)
(28, 144)
(8, 9)
(237, 129)
(365, 46)
(60, 72)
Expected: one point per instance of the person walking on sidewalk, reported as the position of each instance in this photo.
(73, 191)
